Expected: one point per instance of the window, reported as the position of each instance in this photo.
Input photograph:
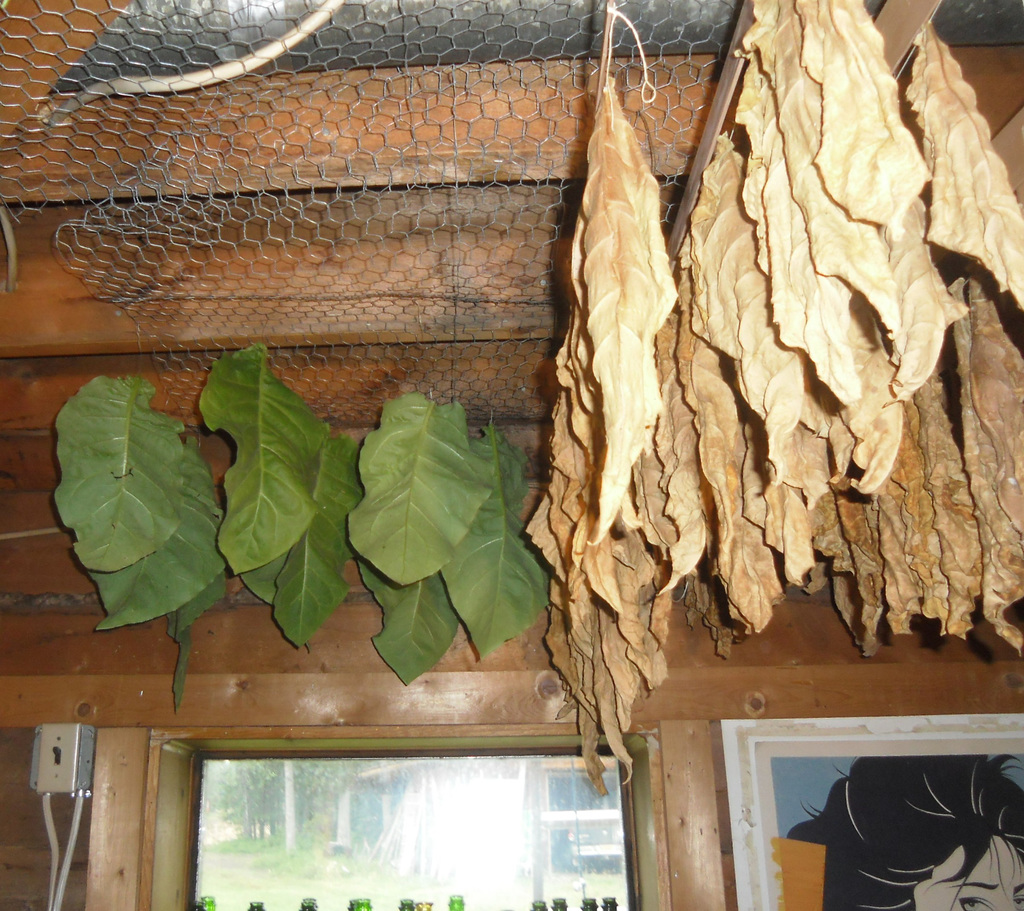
(502, 831)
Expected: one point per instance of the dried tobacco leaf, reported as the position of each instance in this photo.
(675, 440)
(745, 563)
(597, 657)
(955, 523)
(910, 545)
(867, 158)
(629, 292)
(840, 246)
(603, 681)
(828, 536)
(622, 573)
(788, 530)
(839, 571)
(858, 518)
(812, 311)
(808, 462)
(702, 607)
(730, 304)
(989, 368)
(876, 421)
(926, 305)
(656, 526)
(923, 546)
(903, 590)
(848, 600)
(974, 210)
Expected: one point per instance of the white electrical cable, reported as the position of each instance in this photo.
(7, 228)
(51, 834)
(59, 872)
(69, 851)
(54, 114)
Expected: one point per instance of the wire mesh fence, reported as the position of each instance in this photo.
(388, 203)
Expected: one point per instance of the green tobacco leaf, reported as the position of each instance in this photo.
(184, 640)
(179, 628)
(120, 472)
(495, 583)
(182, 568)
(419, 623)
(269, 487)
(423, 487)
(262, 581)
(311, 585)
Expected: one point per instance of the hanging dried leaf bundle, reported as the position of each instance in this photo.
(627, 293)
(605, 523)
(786, 424)
(832, 264)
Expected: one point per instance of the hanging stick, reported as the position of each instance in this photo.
(730, 78)
(899, 22)
(1009, 144)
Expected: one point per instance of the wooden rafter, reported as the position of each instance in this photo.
(362, 128)
(1009, 143)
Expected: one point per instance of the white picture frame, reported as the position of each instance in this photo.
(776, 768)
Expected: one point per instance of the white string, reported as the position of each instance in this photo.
(647, 90)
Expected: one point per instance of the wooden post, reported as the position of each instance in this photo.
(115, 835)
(696, 882)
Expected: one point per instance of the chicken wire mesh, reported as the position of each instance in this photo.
(388, 203)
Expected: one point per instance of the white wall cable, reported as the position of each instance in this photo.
(59, 872)
(69, 851)
(7, 229)
(51, 834)
(56, 112)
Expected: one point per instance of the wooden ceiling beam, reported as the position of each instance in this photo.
(28, 459)
(409, 267)
(504, 381)
(506, 122)
(243, 672)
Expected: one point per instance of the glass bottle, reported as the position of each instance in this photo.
(207, 903)
(362, 904)
(424, 906)
(406, 904)
(559, 904)
(589, 904)
(456, 903)
(307, 904)
(609, 904)
(539, 906)
(257, 906)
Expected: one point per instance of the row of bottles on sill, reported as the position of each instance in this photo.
(455, 903)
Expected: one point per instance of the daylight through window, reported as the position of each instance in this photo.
(501, 831)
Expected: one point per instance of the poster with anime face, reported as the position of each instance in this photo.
(922, 814)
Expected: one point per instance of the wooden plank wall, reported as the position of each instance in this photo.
(247, 681)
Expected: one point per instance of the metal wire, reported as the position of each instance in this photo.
(388, 205)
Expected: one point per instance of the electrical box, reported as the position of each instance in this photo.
(62, 758)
